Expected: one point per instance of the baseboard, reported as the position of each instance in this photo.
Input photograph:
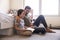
(57, 27)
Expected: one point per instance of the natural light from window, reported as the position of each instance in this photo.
(49, 7)
(34, 4)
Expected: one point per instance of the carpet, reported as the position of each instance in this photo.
(47, 36)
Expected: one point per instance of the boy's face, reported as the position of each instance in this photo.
(23, 14)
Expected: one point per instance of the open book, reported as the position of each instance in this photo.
(29, 28)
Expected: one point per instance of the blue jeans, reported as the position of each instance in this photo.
(39, 20)
(38, 29)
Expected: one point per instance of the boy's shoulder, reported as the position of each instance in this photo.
(17, 18)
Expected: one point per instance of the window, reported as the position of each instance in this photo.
(34, 4)
(45, 7)
(49, 7)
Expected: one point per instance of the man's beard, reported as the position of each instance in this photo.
(26, 14)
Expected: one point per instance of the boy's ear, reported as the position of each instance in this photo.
(17, 17)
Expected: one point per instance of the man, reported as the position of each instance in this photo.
(39, 20)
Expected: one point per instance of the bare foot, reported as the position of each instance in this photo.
(49, 30)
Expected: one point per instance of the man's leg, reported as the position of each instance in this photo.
(39, 20)
(38, 29)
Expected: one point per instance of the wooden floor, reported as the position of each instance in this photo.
(47, 36)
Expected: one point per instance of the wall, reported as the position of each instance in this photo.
(16, 4)
(53, 20)
(4, 5)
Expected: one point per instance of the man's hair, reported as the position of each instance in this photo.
(19, 12)
(27, 7)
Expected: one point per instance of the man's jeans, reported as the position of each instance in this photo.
(39, 20)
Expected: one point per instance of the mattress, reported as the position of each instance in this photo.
(6, 21)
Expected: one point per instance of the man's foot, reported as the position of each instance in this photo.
(49, 30)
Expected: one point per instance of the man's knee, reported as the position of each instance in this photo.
(41, 16)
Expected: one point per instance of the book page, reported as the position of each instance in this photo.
(29, 28)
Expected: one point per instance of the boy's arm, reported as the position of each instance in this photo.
(17, 24)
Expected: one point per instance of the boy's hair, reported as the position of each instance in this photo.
(19, 12)
(27, 7)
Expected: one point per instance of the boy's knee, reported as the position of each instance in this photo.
(26, 33)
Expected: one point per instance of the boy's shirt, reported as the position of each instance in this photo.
(20, 23)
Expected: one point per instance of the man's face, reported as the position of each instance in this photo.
(28, 10)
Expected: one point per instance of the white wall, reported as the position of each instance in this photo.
(53, 20)
(16, 4)
(4, 5)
